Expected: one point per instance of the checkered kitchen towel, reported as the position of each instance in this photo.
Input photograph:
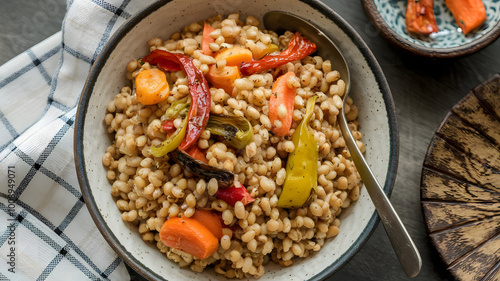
(46, 232)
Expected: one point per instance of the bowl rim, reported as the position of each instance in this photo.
(395, 39)
(99, 63)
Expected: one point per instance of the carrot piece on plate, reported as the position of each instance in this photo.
(420, 18)
(469, 14)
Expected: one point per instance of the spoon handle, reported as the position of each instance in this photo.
(401, 241)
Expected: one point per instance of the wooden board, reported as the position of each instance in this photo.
(460, 185)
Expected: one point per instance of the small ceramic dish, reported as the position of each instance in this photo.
(388, 16)
(369, 89)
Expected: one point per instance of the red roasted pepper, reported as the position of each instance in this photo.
(298, 48)
(198, 154)
(468, 14)
(420, 17)
(198, 89)
(168, 125)
(233, 194)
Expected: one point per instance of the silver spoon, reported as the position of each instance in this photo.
(401, 241)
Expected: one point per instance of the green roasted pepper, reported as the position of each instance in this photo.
(178, 107)
(237, 131)
(302, 165)
(172, 142)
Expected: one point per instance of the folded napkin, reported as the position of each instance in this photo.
(46, 232)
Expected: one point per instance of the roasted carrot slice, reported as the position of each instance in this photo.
(151, 86)
(234, 56)
(420, 18)
(281, 105)
(206, 39)
(190, 236)
(209, 220)
(223, 78)
(469, 14)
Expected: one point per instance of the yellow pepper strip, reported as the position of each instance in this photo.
(172, 142)
(302, 165)
(271, 48)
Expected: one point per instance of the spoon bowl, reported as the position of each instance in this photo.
(401, 241)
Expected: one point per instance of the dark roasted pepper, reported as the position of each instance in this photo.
(200, 169)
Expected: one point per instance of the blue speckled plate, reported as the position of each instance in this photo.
(389, 18)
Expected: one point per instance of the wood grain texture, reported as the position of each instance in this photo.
(489, 98)
(445, 157)
(446, 215)
(478, 263)
(471, 111)
(437, 186)
(460, 185)
(456, 242)
(466, 138)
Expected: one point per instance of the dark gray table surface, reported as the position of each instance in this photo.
(423, 91)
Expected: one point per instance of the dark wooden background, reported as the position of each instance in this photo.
(424, 91)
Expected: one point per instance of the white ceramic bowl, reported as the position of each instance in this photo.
(369, 89)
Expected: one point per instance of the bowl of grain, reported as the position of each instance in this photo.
(193, 177)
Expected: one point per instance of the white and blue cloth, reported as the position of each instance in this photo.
(46, 232)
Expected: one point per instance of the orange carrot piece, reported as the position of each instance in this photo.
(190, 236)
(469, 14)
(151, 86)
(209, 220)
(235, 56)
(206, 40)
(223, 78)
(195, 152)
(281, 105)
(420, 18)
